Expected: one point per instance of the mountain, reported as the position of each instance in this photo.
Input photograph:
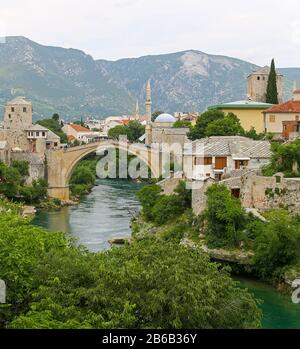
(72, 83)
(57, 80)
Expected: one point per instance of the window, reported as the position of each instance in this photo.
(207, 161)
(297, 117)
(278, 179)
(37, 134)
(9, 115)
(55, 144)
(272, 118)
(258, 78)
(12, 109)
(43, 134)
(241, 163)
(24, 110)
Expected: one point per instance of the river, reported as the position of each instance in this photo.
(106, 213)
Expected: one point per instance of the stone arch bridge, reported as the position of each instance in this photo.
(62, 162)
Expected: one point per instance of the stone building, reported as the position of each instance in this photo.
(219, 157)
(249, 113)
(284, 118)
(21, 140)
(258, 82)
(255, 192)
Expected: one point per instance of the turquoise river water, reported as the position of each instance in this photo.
(106, 213)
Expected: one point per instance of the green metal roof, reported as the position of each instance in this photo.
(240, 105)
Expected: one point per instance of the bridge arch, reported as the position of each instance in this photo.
(61, 163)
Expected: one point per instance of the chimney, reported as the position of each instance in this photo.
(296, 95)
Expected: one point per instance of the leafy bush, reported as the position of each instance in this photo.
(277, 245)
(226, 219)
(148, 284)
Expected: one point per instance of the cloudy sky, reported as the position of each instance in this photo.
(254, 30)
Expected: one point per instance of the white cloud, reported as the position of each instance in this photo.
(111, 29)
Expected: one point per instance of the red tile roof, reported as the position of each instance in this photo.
(71, 138)
(79, 128)
(297, 91)
(287, 107)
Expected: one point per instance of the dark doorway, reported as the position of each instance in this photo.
(236, 192)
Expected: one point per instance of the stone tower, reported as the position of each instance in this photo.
(137, 111)
(258, 82)
(18, 114)
(148, 139)
(148, 103)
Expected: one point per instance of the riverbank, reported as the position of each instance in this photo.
(107, 213)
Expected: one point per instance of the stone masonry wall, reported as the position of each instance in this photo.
(36, 164)
(261, 193)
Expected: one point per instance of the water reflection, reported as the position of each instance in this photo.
(102, 215)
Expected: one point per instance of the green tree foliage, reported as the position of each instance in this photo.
(12, 183)
(55, 117)
(277, 244)
(54, 125)
(148, 284)
(21, 250)
(182, 124)
(22, 167)
(228, 126)
(148, 196)
(253, 134)
(225, 216)
(272, 93)
(34, 193)
(284, 156)
(199, 130)
(133, 130)
(83, 177)
(161, 209)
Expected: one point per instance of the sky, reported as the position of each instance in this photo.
(255, 31)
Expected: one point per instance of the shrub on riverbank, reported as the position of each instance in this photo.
(149, 284)
(13, 187)
(161, 209)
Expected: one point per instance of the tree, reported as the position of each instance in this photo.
(276, 245)
(54, 126)
(117, 131)
(228, 126)
(55, 117)
(225, 217)
(272, 93)
(198, 131)
(253, 134)
(148, 196)
(182, 124)
(284, 157)
(134, 130)
(147, 284)
(22, 167)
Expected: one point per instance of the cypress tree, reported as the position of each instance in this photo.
(272, 93)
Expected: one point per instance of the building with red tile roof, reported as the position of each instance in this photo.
(279, 116)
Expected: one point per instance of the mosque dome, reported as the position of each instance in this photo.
(165, 118)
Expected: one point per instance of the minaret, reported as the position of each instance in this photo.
(148, 103)
(148, 139)
(137, 110)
